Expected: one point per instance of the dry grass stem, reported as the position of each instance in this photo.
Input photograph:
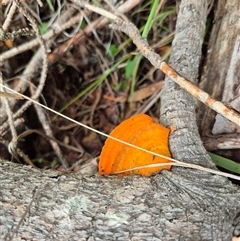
(56, 29)
(97, 24)
(174, 162)
(41, 59)
(19, 152)
(155, 59)
(47, 129)
(9, 17)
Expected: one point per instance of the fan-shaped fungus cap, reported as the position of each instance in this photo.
(142, 131)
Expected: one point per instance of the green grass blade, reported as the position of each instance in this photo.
(225, 163)
(136, 61)
(149, 23)
(94, 84)
(50, 5)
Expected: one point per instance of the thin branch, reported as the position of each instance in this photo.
(97, 24)
(57, 28)
(13, 144)
(9, 17)
(222, 142)
(131, 30)
(43, 46)
(4, 35)
(47, 129)
(19, 152)
(174, 161)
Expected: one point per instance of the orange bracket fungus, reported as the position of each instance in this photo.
(139, 130)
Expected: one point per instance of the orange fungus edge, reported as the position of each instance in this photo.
(116, 156)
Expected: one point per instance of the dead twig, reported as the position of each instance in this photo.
(47, 129)
(19, 152)
(174, 161)
(131, 30)
(222, 142)
(9, 17)
(97, 24)
(13, 144)
(56, 29)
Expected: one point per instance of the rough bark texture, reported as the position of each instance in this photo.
(182, 204)
(223, 36)
(178, 205)
(177, 106)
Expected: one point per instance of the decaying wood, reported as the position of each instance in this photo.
(222, 142)
(231, 93)
(225, 29)
(179, 205)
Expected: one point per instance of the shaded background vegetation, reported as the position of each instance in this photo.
(99, 79)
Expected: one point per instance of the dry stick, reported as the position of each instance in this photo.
(174, 162)
(19, 152)
(56, 29)
(222, 142)
(97, 24)
(44, 50)
(17, 122)
(9, 17)
(32, 67)
(131, 30)
(13, 145)
(47, 129)
(37, 93)
(24, 81)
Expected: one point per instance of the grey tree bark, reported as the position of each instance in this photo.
(183, 204)
(177, 106)
(178, 205)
